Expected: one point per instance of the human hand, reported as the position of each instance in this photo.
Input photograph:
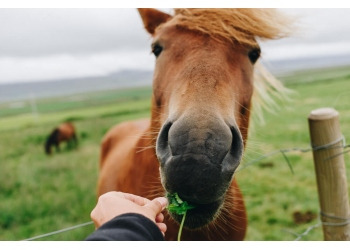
(113, 203)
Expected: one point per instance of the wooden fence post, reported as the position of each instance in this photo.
(327, 143)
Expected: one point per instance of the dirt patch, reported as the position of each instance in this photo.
(303, 218)
(266, 164)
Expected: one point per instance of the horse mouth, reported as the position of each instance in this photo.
(199, 216)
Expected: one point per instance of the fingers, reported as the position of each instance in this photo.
(94, 219)
(141, 201)
(136, 199)
(160, 217)
(157, 205)
(162, 227)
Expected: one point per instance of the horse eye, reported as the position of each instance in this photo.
(254, 55)
(157, 49)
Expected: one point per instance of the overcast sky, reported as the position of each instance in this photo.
(42, 44)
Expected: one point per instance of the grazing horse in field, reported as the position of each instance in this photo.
(202, 90)
(64, 132)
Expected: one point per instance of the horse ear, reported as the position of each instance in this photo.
(152, 18)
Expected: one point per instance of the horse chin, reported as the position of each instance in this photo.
(200, 216)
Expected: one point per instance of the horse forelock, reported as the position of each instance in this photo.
(235, 25)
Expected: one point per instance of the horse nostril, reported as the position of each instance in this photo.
(162, 146)
(237, 143)
(233, 158)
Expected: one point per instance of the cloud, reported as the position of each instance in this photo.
(45, 44)
(63, 66)
(37, 32)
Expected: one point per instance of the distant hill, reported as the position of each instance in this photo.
(288, 66)
(121, 79)
(133, 78)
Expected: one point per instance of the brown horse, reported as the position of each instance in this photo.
(202, 89)
(64, 132)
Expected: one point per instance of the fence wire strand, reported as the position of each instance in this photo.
(331, 145)
(59, 231)
(307, 231)
(341, 220)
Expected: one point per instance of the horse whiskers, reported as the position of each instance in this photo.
(148, 137)
(144, 149)
(219, 226)
(226, 217)
(251, 156)
(253, 145)
(151, 133)
(150, 140)
(154, 188)
(156, 191)
(232, 202)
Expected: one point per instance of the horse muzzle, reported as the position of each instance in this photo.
(198, 160)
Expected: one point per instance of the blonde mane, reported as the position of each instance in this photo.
(243, 26)
(235, 25)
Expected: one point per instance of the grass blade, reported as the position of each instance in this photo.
(181, 227)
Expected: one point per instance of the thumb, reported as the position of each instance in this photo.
(157, 205)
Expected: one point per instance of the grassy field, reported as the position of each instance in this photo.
(41, 194)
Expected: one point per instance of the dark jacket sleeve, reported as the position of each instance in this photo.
(130, 227)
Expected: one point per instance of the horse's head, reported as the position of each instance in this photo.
(47, 146)
(51, 140)
(202, 90)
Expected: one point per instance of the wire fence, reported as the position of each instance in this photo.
(59, 231)
(342, 221)
(301, 150)
(331, 145)
(306, 232)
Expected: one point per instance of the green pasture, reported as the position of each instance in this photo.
(41, 194)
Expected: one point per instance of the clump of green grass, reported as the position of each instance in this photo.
(180, 207)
